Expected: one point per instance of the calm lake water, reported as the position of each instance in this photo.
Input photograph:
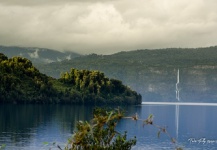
(24, 127)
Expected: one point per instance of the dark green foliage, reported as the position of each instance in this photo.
(21, 82)
(100, 134)
(97, 89)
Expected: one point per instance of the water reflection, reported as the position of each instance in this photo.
(23, 125)
(28, 126)
(177, 121)
(182, 123)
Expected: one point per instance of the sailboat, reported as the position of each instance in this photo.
(177, 88)
(177, 107)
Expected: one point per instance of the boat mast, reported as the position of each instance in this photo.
(177, 89)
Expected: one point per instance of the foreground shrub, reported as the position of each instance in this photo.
(100, 133)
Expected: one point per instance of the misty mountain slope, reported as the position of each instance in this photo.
(37, 55)
(153, 73)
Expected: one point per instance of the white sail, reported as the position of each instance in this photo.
(178, 76)
(177, 88)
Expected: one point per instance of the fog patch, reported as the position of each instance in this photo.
(68, 57)
(34, 54)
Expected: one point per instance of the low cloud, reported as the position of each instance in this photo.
(34, 54)
(106, 27)
(68, 57)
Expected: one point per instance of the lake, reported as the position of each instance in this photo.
(38, 126)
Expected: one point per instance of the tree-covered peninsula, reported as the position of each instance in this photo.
(21, 82)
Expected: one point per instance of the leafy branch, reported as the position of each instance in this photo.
(149, 121)
(100, 133)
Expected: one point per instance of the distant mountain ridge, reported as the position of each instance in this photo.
(120, 63)
(38, 55)
(153, 73)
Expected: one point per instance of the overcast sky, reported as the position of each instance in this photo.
(108, 26)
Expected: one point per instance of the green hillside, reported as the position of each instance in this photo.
(125, 62)
(153, 72)
(21, 82)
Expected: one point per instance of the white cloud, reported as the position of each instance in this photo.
(34, 54)
(68, 57)
(108, 26)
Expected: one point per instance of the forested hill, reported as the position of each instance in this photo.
(153, 73)
(21, 82)
(175, 57)
(125, 62)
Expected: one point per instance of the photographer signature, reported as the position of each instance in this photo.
(201, 141)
